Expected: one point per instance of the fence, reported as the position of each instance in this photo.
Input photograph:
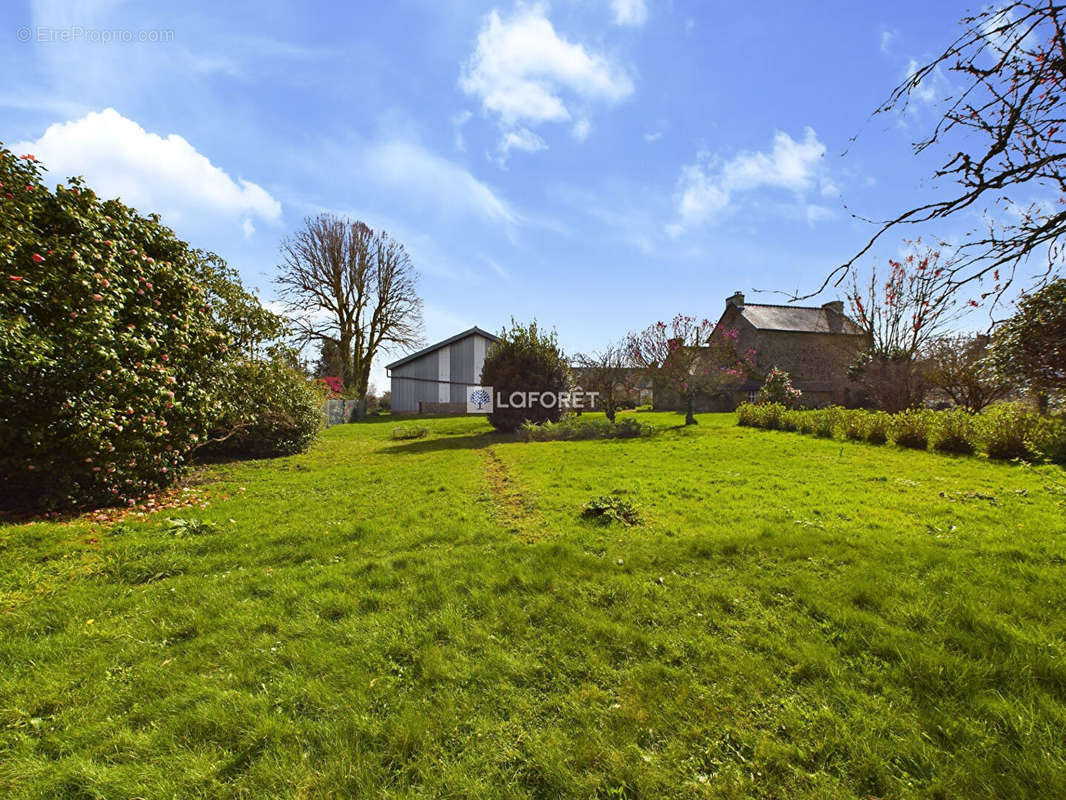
(337, 411)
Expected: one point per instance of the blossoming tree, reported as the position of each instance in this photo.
(690, 356)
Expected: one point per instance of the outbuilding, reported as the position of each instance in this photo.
(434, 380)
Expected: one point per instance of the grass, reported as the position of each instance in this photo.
(793, 618)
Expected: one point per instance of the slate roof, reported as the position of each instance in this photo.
(800, 319)
(444, 343)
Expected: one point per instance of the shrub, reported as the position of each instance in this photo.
(1006, 431)
(778, 388)
(409, 432)
(748, 414)
(953, 431)
(115, 340)
(574, 427)
(1048, 439)
(791, 419)
(878, 424)
(526, 359)
(272, 409)
(853, 423)
(824, 421)
(910, 428)
(610, 508)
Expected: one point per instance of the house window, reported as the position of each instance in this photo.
(753, 396)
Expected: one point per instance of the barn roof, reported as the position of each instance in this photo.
(800, 319)
(444, 343)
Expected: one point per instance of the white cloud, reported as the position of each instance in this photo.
(633, 13)
(247, 228)
(431, 180)
(119, 158)
(581, 129)
(708, 186)
(458, 123)
(525, 73)
(521, 139)
(887, 37)
(654, 136)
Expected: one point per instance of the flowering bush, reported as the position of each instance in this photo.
(115, 344)
(778, 388)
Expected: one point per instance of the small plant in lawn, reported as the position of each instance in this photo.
(409, 432)
(608, 508)
(181, 527)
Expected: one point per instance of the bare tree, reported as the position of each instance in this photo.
(960, 366)
(347, 284)
(1004, 132)
(607, 372)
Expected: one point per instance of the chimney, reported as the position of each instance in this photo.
(736, 300)
(836, 306)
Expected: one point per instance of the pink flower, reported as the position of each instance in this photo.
(98, 297)
(28, 157)
(38, 258)
(14, 277)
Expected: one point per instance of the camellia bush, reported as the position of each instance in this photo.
(117, 342)
(526, 359)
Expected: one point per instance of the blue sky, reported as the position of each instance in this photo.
(598, 165)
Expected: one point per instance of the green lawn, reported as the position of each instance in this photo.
(431, 618)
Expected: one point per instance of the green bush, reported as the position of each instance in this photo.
(953, 431)
(853, 423)
(878, 426)
(574, 427)
(410, 432)
(910, 428)
(791, 419)
(824, 421)
(526, 359)
(116, 338)
(272, 409)
(748, 415)
(1047, 439)
(1007, 431)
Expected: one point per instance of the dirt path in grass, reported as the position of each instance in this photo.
(512, 508)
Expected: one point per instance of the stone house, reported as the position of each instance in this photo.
(814, 344)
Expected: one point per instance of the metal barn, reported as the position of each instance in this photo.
(434, 380)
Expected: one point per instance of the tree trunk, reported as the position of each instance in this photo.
(609, 410)
(362, 383)
(347, 373)
(690, 408)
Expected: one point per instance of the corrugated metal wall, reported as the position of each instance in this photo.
(420, 380)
